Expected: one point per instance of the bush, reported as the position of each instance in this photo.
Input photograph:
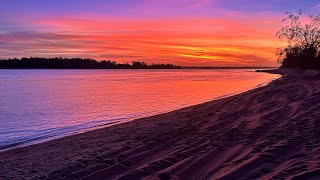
(303, 49)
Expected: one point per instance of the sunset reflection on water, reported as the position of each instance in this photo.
(37, 105)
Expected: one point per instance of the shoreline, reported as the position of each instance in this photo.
(223, 138)
(45, 138)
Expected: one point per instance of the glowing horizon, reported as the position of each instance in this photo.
(183, 32)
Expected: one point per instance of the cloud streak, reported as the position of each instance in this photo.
(186, 32)
(186, 41)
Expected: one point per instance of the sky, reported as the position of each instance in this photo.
(183, 32)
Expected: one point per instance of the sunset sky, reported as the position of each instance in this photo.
(184, 32)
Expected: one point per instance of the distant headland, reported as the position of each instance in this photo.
(76, 63)
(89, 63)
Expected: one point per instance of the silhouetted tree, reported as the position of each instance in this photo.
(139, 65)
(303, 40)
(77, 63)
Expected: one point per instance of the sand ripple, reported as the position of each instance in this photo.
(270, 132)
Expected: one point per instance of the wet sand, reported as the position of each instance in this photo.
(268, 132)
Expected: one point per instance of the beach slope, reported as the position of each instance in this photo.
(268, 132)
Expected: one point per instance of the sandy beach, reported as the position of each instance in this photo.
(268, 132)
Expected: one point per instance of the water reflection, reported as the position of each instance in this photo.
(37, 105)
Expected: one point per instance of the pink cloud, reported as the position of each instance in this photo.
(180, 40)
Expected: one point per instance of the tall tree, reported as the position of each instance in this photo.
(303, 38)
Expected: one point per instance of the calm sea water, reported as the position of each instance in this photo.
(38, 105)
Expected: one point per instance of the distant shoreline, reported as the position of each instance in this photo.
(249, 135)
(88, 63)
(149, 68)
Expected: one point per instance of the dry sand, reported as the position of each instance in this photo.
(269, 132)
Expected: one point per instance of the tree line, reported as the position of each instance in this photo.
(77, 63)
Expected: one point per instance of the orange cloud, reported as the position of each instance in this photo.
(184, 41)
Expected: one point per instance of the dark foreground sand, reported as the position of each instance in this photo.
(269, 132)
